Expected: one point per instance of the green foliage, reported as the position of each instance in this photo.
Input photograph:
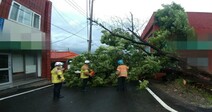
(174, 26)
(111, 40)
(169, 17)
(111, 80)
(161, 41)
(167, 62)
(98, 81)
(72, 80)
(103, 62)
(143, 84)
(151, 65)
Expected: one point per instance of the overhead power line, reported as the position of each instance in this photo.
(65, 19)
(73, 34)
(75, 4)
(60, 14)
(77, 8)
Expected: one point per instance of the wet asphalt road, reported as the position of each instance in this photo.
(96, 99)
(104, 99)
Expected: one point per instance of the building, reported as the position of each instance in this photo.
(25, 28)
(197, 53)
(62, 56)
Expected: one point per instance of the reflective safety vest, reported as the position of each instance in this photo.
(84, 72)
(57, 75)
(122, 70)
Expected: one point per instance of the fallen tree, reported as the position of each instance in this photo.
(182, 68)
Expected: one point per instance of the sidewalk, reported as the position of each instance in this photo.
(23, 85)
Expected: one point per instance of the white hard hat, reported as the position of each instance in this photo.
(58, 64)
(87, 61)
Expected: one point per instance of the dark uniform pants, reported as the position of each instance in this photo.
(121, 84)
(84, 83)
(57, 88)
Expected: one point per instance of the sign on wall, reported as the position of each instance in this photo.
(1, 23)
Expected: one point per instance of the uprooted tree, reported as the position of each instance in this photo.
(123, 42)
(174, 26)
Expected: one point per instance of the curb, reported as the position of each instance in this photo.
(24, 87)
(22, 93)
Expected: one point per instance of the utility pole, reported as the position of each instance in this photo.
(90, 30)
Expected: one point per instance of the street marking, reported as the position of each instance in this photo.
(4, 98)
(160, 101)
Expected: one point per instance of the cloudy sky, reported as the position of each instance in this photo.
(69, 24)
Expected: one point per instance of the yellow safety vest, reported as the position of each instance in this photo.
(84, 70)
(55, 73)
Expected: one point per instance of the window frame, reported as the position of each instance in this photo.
(32, 16)
(39, 20)
(16, 18)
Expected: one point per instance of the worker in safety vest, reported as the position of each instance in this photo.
(57, 79)
(122, 75)
(84, 74)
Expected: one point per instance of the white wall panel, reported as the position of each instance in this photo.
(30, 62)
(17, 63)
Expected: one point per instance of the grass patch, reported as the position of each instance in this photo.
(193, 94)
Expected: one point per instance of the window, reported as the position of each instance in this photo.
(4, 77)
(4, 61)
(4, 68)
(36, 21)
(198, 61)
(14, 12)
(24, 15)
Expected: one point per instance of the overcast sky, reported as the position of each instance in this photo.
(69, 31)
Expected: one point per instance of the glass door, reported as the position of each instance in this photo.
(5, 71)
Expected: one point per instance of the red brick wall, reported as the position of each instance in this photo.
(46, 62)
(149, 27)
(193, 53)
(202, 24)
(5, 8)
(198, 54)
